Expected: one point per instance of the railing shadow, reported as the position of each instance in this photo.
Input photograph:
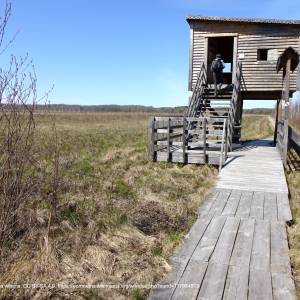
(253, 144)
(293, 161)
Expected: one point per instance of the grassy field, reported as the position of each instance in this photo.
(256, 127)
(119, 216)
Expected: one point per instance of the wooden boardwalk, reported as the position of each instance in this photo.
(237, 248)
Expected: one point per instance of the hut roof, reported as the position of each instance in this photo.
(243, 20)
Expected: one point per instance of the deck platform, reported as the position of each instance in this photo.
(255, 166)
(238, 247)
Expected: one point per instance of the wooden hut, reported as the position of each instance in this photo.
(256, 43)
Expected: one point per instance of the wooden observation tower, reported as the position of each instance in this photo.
(212, 125)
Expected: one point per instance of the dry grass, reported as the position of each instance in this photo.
(256, 127)
(293, 179)
(119, 216)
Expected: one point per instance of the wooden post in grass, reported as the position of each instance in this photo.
(204, 141)
(151, 139)
(184, 141)
(169, 139)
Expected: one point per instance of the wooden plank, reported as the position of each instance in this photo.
(221, 201)
(280, 261)
(224, 246)
(270, 206)
(214, 282)
(209, 240)
(244, 207)
(238, 273)
(257, 207)
(241, 253)
(190, 282)
(205, 208)
(165, 290)
(192, 238)
(283, 287)
(284, 211)
(260, 256)
(232, 203)
(236, 283)
(260, 286)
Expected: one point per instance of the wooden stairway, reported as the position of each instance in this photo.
(205, 104)
(205, 133)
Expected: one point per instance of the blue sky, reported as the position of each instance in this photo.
(120, 52)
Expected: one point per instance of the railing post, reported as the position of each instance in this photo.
(285, 142)
(204, 141)
(169, 139)
(151, 140)
(226, 140)
(222, 146)
(184, 141)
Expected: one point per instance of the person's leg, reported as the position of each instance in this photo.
(220, 80)
(215, 78)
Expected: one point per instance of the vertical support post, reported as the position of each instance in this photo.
(151, 140)
(184, 141)
(276, 121)
(222, 146)
(285, 142)
(169, 139)
(226, 139)
(287, 89)
(204, 141)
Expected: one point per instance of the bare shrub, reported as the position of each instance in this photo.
(20, 169)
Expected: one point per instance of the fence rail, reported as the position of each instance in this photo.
(294, 139)
(188, 134)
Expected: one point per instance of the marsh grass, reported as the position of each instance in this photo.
(119, 216)
(256, 127)
(293, 179)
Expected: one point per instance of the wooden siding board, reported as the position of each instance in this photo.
(250, 37)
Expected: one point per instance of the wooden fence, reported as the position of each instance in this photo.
(282, 140)
(294, 139)
(287, 137)
(187, 134)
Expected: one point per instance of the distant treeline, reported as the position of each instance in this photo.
(110, 108)
(132, 108)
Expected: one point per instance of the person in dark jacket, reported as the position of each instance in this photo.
(217, 67)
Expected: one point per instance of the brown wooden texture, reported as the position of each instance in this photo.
(258, 75)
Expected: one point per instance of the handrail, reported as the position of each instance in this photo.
(234, 99)
(224, 148)
(282, 140)
(197, 92)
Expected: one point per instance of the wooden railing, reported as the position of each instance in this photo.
(169, 134)
(198, 91)
(233, 107)
(282, 140)
(294, 139)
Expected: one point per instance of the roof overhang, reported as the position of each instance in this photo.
(242, 20)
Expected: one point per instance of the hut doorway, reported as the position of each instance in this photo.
(225, 46)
